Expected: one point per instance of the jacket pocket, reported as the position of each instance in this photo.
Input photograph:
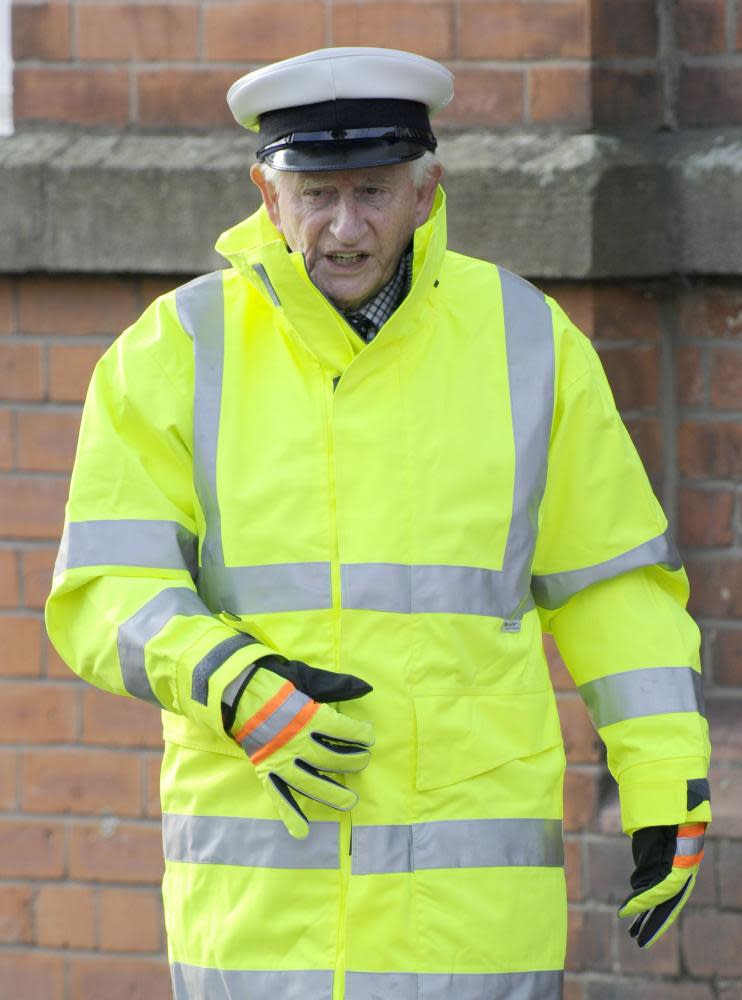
(179, 729)
(461, 734)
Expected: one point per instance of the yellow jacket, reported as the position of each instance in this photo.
(415, 511)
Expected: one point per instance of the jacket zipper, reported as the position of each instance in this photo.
(345, 824)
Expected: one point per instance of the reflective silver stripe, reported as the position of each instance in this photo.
(470, 843)
(250, 843)
(212, 661)
(129, 542)
(466, 590)
(246, 590)
(453, 986)
(200, 306)
(135, 633)
(263, 275)
(687, 847)
(274, 723)
(636, 693)
(553, 589)
(191, 982)
(530, 349)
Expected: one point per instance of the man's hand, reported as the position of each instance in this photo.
(667, 860)
(292, 738)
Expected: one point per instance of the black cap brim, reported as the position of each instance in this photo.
(342, 155)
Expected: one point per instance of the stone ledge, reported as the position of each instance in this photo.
(549, 206)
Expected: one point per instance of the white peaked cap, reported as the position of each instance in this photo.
(342, 73)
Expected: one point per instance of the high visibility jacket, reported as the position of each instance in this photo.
(415, 511)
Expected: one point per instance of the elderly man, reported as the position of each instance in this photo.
(325, 503)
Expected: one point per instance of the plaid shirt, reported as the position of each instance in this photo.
(371, 316)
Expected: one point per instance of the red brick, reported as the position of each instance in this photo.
(573, 988)
(626, 97)
(580, 799)
(16, 914)
(81, 781)
(31, 976)
(153, 288)
(716, 588)
(187, 97)
(157, 31)
(8, 779)
(690, 378)
(633, 374)
(6, 440)
(590, 940)
(423, 27)
(581, 742)
(82, 96)
(31, 849)
(608, 867)
(700, 26)
(38, 713)
(20, 641)
(706, 517)
(119, 979)
(116, 721)
(47, 440)
(726, 379)
(110, 851)
(710, 95)
(32, 507)
(509, 30)
(41, 31)
(663, 958)
(730, 868)
(70, 370)
(727, 657)
(153, 763)
(561, 95)
(130, 920)
(573, 869)
(255, 29)
(642, 988)
(55, 665)
(710, 449)
(7, 319)
(73, 305)
(486, 97)
(20, 371)
(8, 579)
(711, 311)
(36, 571)
(726, 785)
(576, 299)
(625, 312)
(626, 29)
(560, 677)
(739, 28)
(647, 437)
(65, 917)
(711, 943)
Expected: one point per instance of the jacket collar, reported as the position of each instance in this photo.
(258, 251)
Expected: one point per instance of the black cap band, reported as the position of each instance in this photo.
(352, 131)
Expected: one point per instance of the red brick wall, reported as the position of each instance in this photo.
(80, 848)
(571, 62)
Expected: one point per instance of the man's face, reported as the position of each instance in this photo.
(351, 225)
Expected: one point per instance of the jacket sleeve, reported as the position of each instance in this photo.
(609, 585)
(124, 612)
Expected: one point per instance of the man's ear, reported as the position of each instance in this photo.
(269, 195)
(426, 194)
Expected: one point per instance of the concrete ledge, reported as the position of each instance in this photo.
(553, 206)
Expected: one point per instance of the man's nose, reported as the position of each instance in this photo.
(348, 224)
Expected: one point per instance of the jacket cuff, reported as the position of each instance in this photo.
(208, 667)
(656, 794)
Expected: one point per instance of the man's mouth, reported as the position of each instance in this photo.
(346, 259)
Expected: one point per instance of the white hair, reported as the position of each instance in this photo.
(420, 170)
